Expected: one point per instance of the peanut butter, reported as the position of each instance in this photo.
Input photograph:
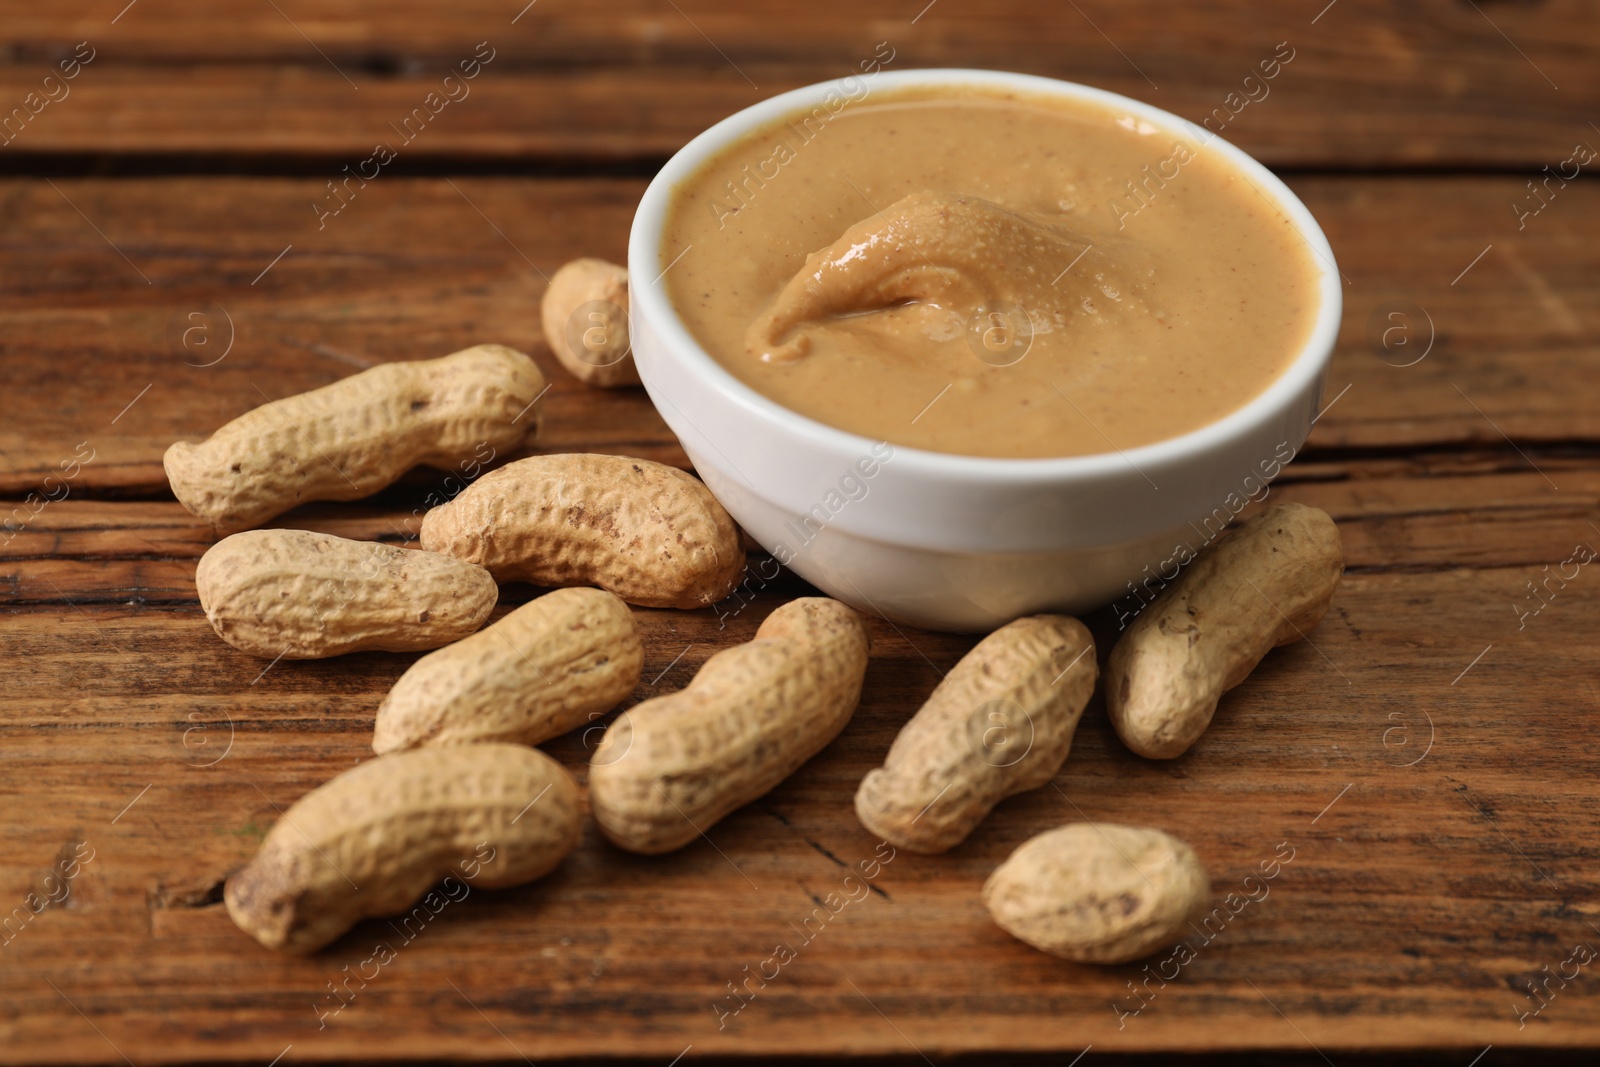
(988, 274)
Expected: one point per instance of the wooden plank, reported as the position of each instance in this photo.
(1445, 513)
(1419, 901)
(343, 298)
(1460, 323)
(1425, 755)
(1441, 548)
(1373, 82)
(414, 268)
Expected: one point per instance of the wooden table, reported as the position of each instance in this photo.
(1428, 757)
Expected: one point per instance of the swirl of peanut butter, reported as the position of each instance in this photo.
(958, 253)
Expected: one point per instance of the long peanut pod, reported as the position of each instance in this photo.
(374, 839)
(669, 768)
(553, 664)
(350, 439)
(294, 594)
(1000, 723)
(1266, 584)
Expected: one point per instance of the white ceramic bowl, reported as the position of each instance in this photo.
(953, 542)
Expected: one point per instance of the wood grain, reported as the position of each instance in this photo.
(1425, 755)
(415, 268)
(1403, 857)
(406, 272)
(1475, 511)
(1373, 83)
(1426, 861)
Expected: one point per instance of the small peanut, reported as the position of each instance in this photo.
(1098, 892)
(350, 439)
(667, 769)
(372, 840)
(1266, 584)
(551, 665)
(301, 595)
(585, 317)
(1000, 723)
(649, 533)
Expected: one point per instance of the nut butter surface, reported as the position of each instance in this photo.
(989, 274)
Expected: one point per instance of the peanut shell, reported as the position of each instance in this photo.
(373, 840)
(649, 533)
(1099, 892)
(585, 317)
(1000, 723)
(295, 594)
(1267, 583)
(551, 665)
(348, 440)
(669, 768)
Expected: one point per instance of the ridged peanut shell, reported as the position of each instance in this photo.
(1000, 723)
(373, 840)
(1267, 583)
(585, 317)
(669, 768)
(303, 595)
(649, 533)
(553, 664)
(1099, 893)
(348, 440)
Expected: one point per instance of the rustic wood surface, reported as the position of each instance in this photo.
(1373, 83)
(1427, 756)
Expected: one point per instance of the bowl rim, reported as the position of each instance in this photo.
(1300, 377)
